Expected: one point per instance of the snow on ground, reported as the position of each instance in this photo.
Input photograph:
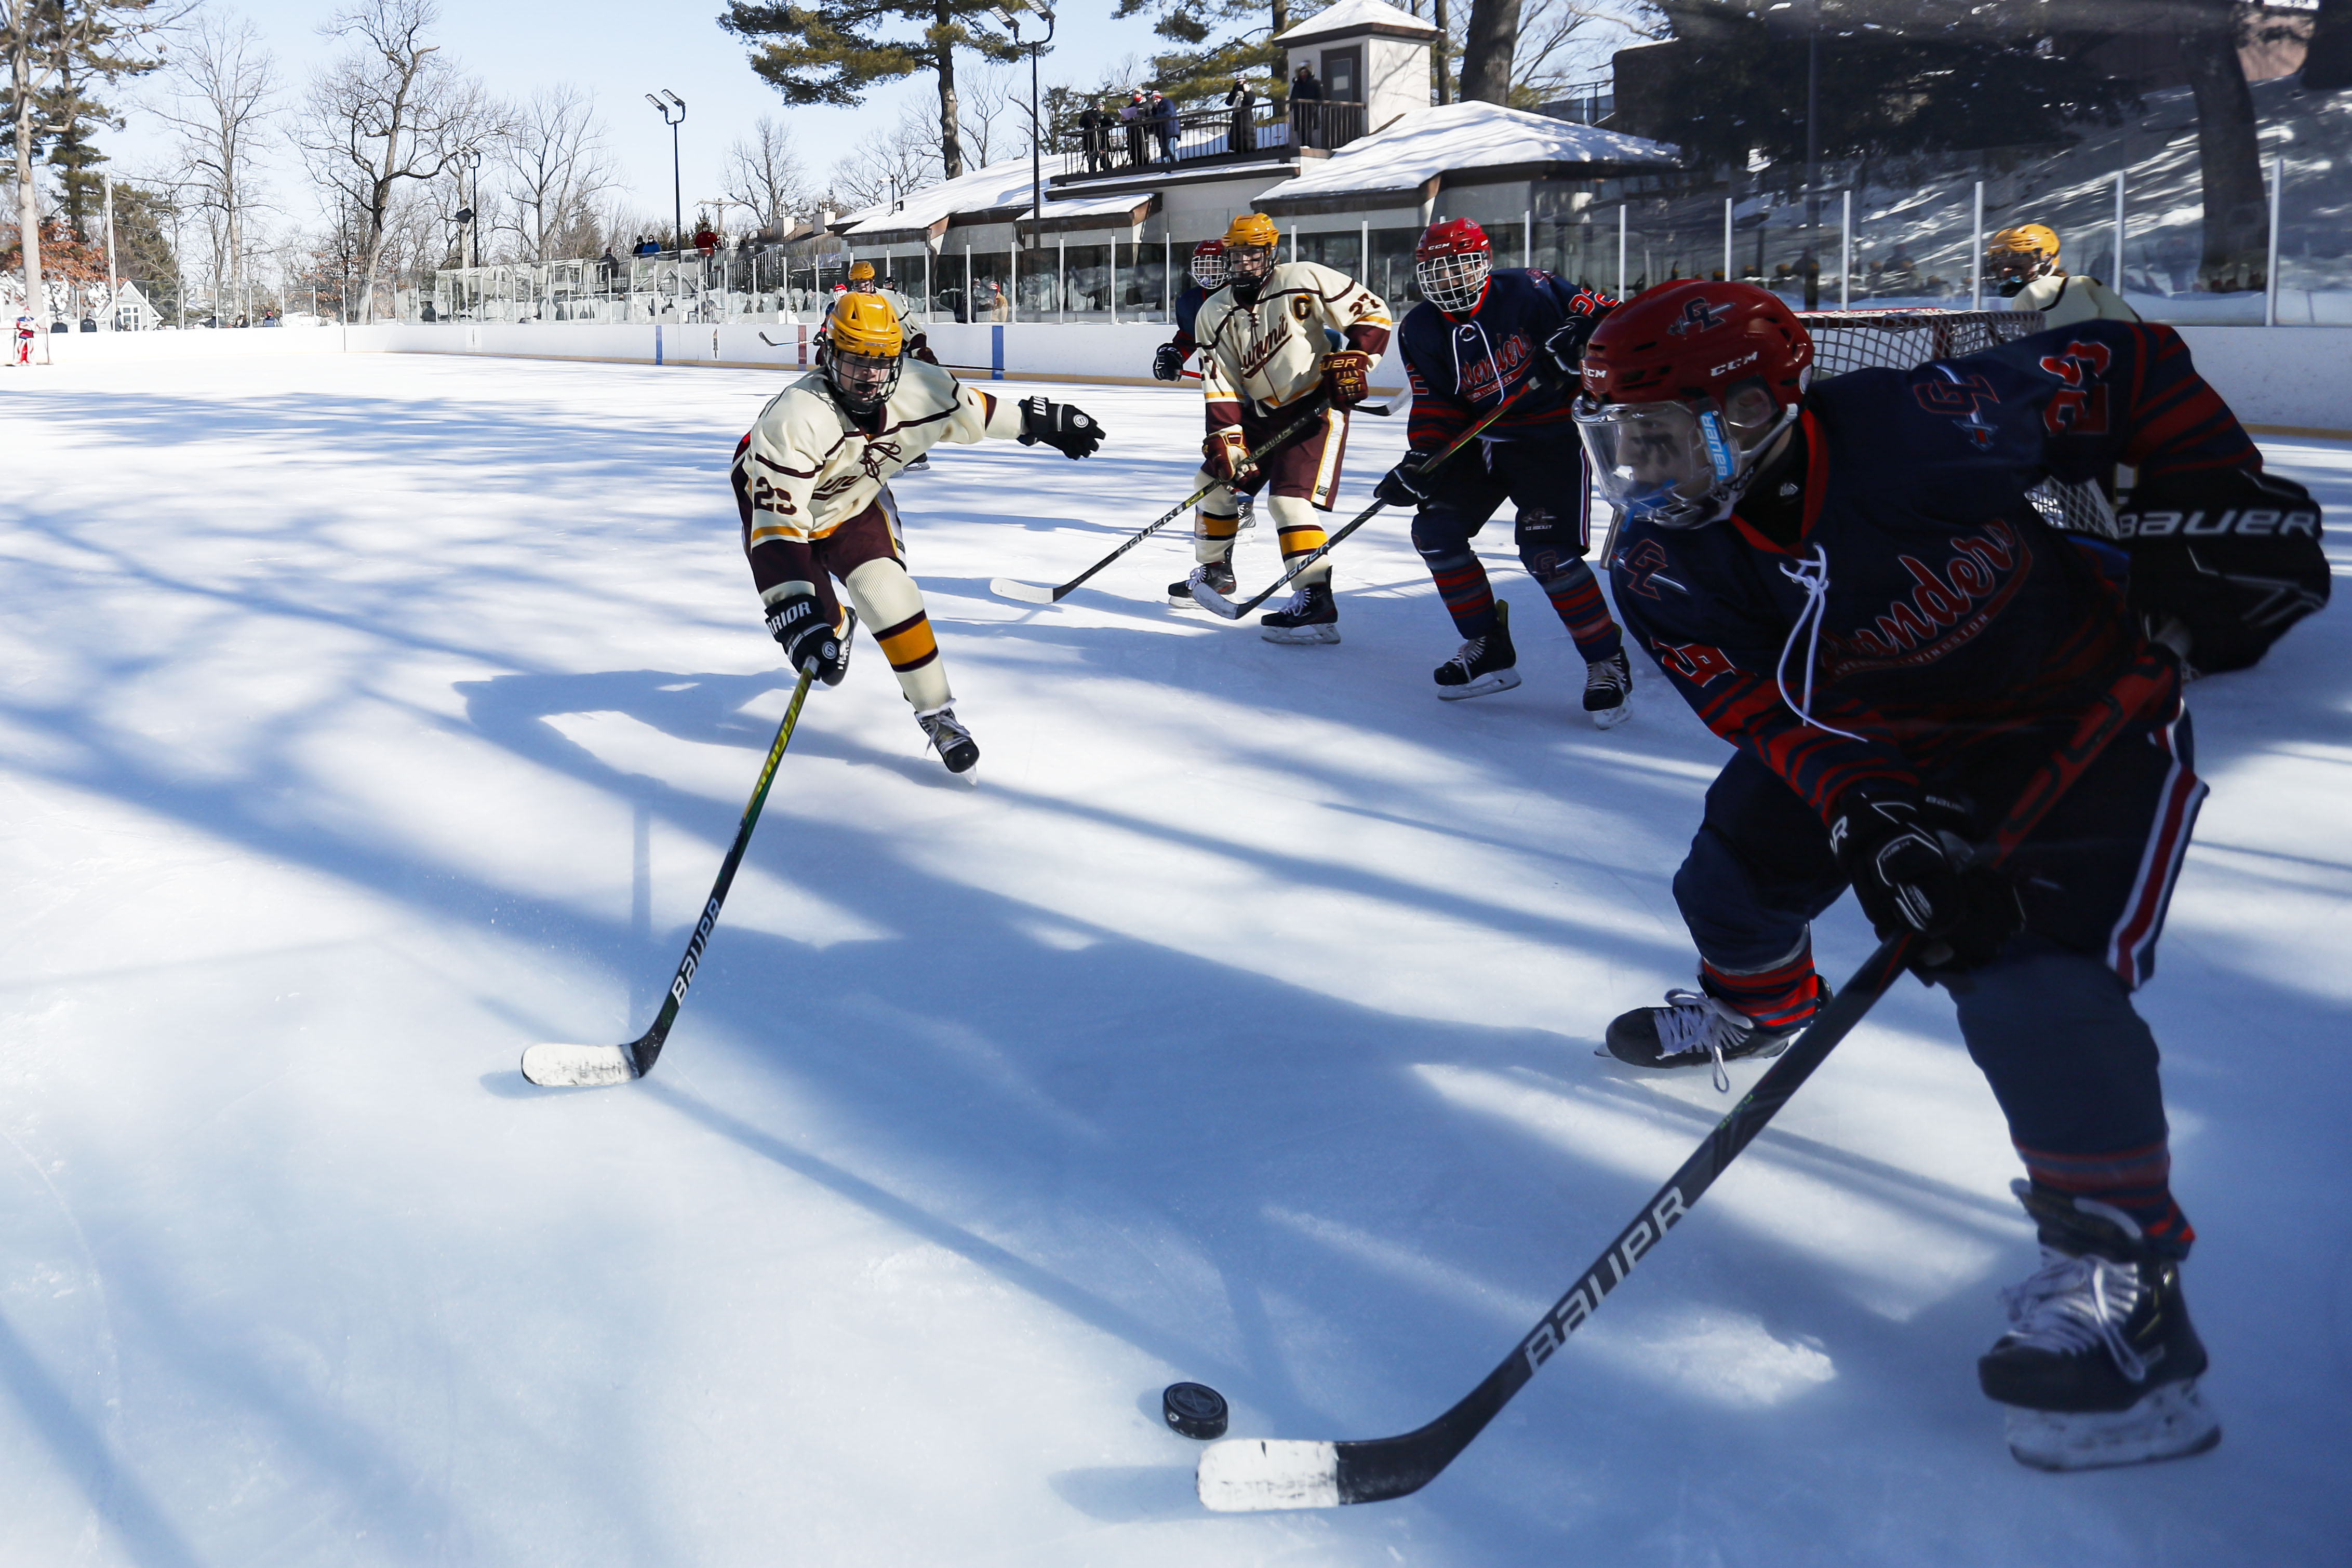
(368, 718)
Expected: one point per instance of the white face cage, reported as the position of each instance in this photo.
(1209, 270)
(1455, 282)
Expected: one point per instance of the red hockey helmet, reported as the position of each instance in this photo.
(1452, 264)
(1208, 265)
(1683, 389)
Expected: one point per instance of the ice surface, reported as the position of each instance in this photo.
(366, 719)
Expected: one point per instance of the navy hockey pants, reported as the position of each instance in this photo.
(2049, 1021)
(1545, 480)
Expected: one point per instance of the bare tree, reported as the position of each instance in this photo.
(765, 176)
(1563, 42)
(904, 157)
(985, 96)
(225, 89)
(557, 168)
(391, 112)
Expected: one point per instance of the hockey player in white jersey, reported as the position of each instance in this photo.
(2024, 262)
(811, 483)
(1265, 360)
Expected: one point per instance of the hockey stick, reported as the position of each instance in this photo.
(1249, 1475)
(1216, 603)
(1030, 593)
(557, 1066)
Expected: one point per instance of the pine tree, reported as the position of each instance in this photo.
(55, 50)
(834, 51)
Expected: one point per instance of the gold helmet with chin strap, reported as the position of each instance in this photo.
(1251, 243)
(2017, 256)
(864, 348)
(860, 272)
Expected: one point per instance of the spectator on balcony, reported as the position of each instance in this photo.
(706, 239)
(1131, 116)
(1094, 136)
(647, 246)
(1164, 127)
(608, 267)
(1306, 108)
(1241, 135)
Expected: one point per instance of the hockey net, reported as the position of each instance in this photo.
(1904, 340)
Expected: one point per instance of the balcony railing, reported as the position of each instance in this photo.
(1196, 136)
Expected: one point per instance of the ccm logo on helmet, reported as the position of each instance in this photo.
(1733, 365)
(2194, 525)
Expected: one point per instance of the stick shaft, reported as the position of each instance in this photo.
(1361, 518)
(1189, 502)
(648, 1047)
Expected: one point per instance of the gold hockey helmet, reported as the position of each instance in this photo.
(860, 272)
(1250, 243)
(864, 348)
(2017, 256)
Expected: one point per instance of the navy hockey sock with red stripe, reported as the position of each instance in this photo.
(1575, 593)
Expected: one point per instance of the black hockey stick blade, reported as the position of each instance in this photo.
(1243, 1475)
(773, 344)
(556, 1065)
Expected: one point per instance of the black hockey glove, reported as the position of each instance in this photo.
(1408, 483)
(1564, 349)
(1909, 861)
(1065, 429)
(798, 624)
(1168, 364)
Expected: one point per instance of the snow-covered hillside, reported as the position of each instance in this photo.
(369, 717)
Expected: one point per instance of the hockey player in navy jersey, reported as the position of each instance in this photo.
(1849, 586)
(1207, 271)
(1481, 337)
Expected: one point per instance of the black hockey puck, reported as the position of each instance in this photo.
(1195, 1410)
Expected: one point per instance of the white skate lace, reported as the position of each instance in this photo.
(1469, 654)
(2072, 1304)
(1605, 674)
(1692, 1021)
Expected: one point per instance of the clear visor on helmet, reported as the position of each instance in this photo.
(1248, 260)
(1656, 459)
(1209, 270)
(1455, 281)
(863, 379)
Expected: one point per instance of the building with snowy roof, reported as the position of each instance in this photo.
(1352, 177)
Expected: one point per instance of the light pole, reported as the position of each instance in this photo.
(1037, 126)
(672, 109)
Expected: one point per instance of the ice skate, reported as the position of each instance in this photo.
(2100, 1364)
(1311, 616)
(921, 464)
(1694, 1029)
(1481, 664)
(1608, 690)
(1218, 574)
(953, 742)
